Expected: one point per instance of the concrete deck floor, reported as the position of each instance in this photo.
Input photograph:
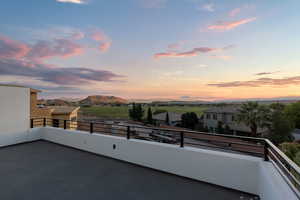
(46, 171)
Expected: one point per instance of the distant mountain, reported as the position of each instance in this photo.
(71, 99)
(180, 102)
(99, 100)
(54, 102)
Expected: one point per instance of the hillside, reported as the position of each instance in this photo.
(54, 102)
(99, 100)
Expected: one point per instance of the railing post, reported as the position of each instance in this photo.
(31, 123)
(44, 122)
(91, 128)
(128, 132)
(65, 124)
(266, 158)
(181, 139)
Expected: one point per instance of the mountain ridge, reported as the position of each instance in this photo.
(101, 99)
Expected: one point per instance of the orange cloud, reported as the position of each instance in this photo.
(228, 25)
(98, 35)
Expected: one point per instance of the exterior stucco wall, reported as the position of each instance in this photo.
(14, 114)
(237, 171)
(241, 172)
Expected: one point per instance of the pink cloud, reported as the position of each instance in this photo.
(21, 59)
(12, 49)
(99, 36)
(104, 46)
(193, 52)
(18, 59)
(228, 25)
(234, 12)
(175, 55)
(57, 48)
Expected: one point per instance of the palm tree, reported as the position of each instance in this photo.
(254, 116)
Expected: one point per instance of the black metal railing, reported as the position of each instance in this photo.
(237, 144)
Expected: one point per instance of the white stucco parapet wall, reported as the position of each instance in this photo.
(14, 114)
(241, 172)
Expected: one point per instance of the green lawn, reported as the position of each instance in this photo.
(115, 112)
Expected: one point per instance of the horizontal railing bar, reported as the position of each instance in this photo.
(225, 142)
(283, 156)
(178, 131)
(218, 147)
(288, 173)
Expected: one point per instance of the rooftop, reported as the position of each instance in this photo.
(63, 109)
(45, 170)
(20, 86)
(222, 109)
(172, 116)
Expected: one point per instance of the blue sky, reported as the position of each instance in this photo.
(152, 49)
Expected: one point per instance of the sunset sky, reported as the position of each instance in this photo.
(152, 49)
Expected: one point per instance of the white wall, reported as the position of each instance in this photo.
(225, 169)
(245, 173)
(14, 114)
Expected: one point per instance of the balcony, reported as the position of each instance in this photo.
(45, 170)
(76, 160)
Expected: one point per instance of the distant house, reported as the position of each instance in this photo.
(226, 116)
(296, 134)
(174, 118)
(35, 110)
(54, 114)
(64, 112)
